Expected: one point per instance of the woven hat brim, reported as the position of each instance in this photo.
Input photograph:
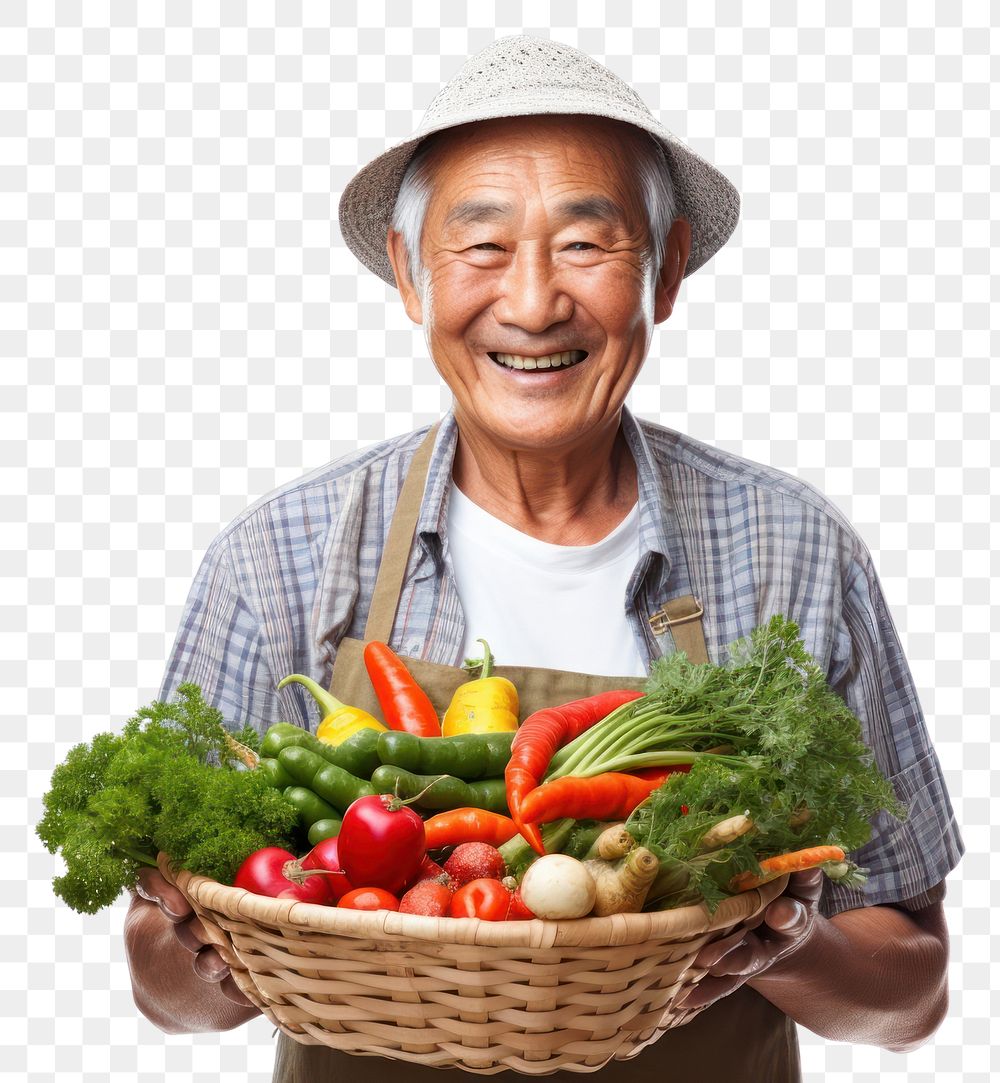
(705, 197)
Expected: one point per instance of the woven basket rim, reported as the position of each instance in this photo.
(683, 923)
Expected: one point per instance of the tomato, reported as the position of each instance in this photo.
(381, 842)
(518, 910)
(369, 898)
(483, 898)
(324, 856)
(264, 873)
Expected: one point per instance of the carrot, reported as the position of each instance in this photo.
(796, 861)
(405, 705)
(610, 796)
(540, 735)
(468, 825)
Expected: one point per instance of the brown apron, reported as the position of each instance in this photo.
(742, 1038)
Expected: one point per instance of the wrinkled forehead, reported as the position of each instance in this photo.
(586, 151)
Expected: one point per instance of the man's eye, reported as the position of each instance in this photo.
(581, 246)
(488, 246)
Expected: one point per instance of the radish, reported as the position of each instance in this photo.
(557, 886)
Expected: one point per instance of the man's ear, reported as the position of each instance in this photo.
(675, 257)
(401, 269)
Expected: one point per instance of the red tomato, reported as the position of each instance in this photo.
(381, 842)
(324, 856)
(263, 873)
(369, 898)
(483, 898)
(518, 910)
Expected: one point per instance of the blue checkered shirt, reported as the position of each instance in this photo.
(294, 574)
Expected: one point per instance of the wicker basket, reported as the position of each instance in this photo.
(532, 996)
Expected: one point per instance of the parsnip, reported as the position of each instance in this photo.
(622, 885)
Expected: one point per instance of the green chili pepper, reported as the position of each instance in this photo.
(310, 807)
(335, 785)
(466, 755)
(275, 774)
(324, 829)
(441, 791)
(357, 755)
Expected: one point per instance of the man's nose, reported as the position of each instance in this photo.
(531, 296)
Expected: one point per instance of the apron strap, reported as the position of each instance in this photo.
(683, 617)
(395, 556)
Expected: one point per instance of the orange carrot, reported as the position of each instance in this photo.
(609, 796)
(796, 861)
(468, 825)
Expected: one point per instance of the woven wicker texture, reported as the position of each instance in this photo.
(521, 76)
(532, 996)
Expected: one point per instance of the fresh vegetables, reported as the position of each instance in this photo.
(608, 796)
(466, 755)
(486, 705)
(369, 898)
(441, 791)
(468, 825)
(622, 885)
(381, 842)
(356, 755)
(537, 740)
(115, 803)
(324, 829)
(799, 773)
(405, 705)
(339, 721)
(486, 899)
(475, 861)
(558, 887)
(276, 873)
(431, 898)
(798, 861)
(309, 805)
(325, 857)
(337, 787)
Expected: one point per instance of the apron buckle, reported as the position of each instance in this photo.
(676, 611)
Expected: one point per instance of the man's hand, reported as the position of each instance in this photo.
(876, 974)
(179, 980)
(781, 929)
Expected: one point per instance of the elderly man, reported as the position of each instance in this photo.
(538, 226)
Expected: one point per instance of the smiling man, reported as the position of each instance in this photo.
(538, 227)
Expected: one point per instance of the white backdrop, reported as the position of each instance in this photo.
(182, 329)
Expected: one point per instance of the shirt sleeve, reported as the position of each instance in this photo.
(909, 859)
(219, 646)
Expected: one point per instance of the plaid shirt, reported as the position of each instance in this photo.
(294, 574)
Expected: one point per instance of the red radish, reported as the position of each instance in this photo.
(324, 856)
(475, 861)
(278, 874)
(369, 898)
(430, 898)
(429, 870)
(381, 842)
(517, 911)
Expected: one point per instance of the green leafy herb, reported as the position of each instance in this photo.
(796, 766)
(171, 782)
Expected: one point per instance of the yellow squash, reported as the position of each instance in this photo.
(486, 705)
(340, 721)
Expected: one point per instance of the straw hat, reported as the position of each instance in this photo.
(525, 76)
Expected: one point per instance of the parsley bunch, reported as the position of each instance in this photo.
(171, 782)
(796, 766)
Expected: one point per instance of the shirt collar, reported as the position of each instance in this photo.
(655, 512)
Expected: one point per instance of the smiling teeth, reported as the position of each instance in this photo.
(550, 361)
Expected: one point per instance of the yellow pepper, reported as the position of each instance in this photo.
(486, 705)
(340, 721)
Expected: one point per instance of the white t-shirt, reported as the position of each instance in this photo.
(539, 604)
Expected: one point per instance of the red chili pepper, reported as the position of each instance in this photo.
(610, 796)
(405, 705)
(485, 898)
(468, 825)
(536, 742)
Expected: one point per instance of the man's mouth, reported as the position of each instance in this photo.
(566, 359)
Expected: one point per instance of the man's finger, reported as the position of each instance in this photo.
(153, 887)
(191, 934)
(210, 966)
(232, 992)
(708, 991)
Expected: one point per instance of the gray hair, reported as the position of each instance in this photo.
(649, 163)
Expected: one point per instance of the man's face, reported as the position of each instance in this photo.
(541, 304)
